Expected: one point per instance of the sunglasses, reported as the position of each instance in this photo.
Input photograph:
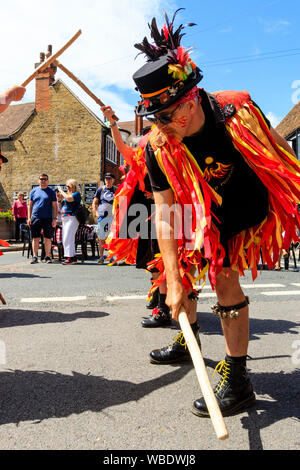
(164, 118)
(43, 179)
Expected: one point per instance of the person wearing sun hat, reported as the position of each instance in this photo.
(236, 182)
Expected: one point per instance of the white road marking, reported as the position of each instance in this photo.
(111, 298)
(256, 286)
(53, 299)
(297, 284)
(260, 286)
(284, 292)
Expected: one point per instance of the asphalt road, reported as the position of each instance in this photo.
(75, 374)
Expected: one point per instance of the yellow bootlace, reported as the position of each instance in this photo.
(223, 368)
(180, 339)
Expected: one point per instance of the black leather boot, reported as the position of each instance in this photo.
(233, 392)
(176, 352)
(153, 302)
(160, 317)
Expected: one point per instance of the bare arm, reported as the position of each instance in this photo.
(176, 295)
(66, 196)
(124, 149)
(30, 207)
(95, 205)
(54, 208)
(281, 141)
(15, 93)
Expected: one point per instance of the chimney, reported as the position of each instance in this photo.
(43, 82)
(138, 123)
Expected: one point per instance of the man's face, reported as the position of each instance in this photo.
(109, 182)
(43, 182)
(174, 121)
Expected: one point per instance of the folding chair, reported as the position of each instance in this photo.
(27, 244)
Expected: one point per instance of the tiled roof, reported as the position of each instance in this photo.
(130, 125)
(14, 117)
(290, 122)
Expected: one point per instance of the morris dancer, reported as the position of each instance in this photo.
(137, 189)
(238, 182)
(14, 93)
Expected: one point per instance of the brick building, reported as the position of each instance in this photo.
(289, 128)
(58, 135)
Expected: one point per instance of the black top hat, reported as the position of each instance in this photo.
(169, 72)
(109, 175)
(4, 159)
(158, 88)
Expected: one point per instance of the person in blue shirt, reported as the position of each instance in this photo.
(102, 207)
(42, 211)
(69, 206)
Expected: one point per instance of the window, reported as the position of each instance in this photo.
(111, 153)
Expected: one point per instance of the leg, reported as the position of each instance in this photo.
(17, 231)
(35, 246)
(236, 330)
(178, 351)
(234, 391)
(47, 244)
(101, 247)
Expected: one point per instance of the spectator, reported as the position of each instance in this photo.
(69, 206)
(42, 211)
(102, 207)
(58, 230)
(19, 214)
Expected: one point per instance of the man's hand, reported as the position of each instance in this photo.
(108, 113)
(176, 298)
(28, 222)
(15, 93)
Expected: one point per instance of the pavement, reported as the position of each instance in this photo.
(75, 371)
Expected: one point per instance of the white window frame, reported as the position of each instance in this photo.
(111, 152)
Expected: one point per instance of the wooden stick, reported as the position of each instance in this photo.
(207, 391)
(51, 59)
(82, 85)
(2, 299)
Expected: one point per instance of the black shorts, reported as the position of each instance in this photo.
(146, 251)
(37, 225)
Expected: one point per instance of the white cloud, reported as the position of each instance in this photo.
(226, 30)
(102, 57)
(273, 118)
(274, 26)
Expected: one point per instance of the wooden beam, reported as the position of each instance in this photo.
(81, 84)
(51, 59)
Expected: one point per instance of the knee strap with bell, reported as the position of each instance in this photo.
(232, 311)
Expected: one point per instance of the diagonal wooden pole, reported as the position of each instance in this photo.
(207, 391)
(81, 84)
(51, 59)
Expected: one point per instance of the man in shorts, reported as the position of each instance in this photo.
(102, 207)
(42, 213)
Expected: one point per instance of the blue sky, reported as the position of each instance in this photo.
(250, 45)
(259, 29)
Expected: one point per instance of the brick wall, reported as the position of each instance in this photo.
(63, 141)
